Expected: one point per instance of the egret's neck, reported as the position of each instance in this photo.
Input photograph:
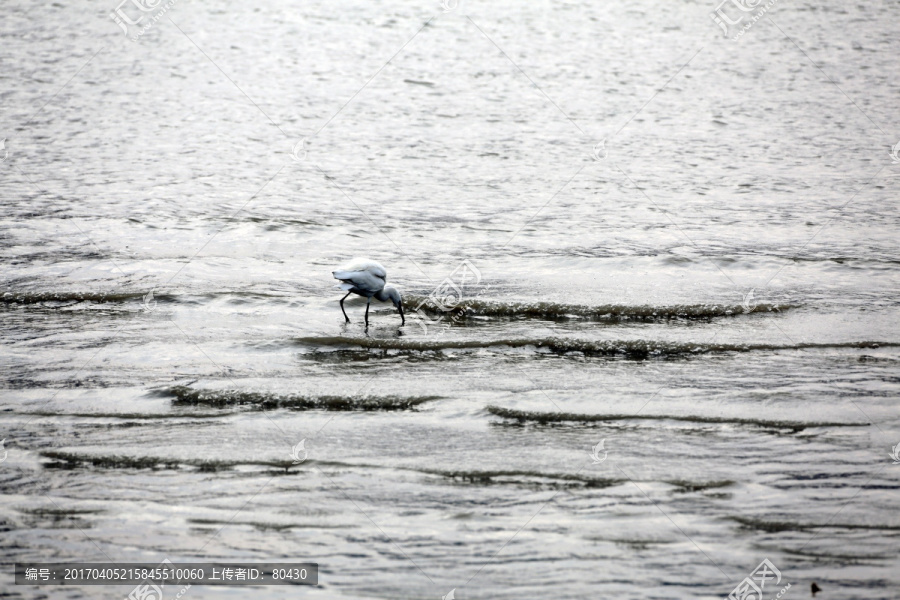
(388, 293)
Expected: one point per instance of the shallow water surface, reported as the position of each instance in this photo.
(650, 276)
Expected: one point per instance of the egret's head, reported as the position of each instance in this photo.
(393, 295)
(389, 293)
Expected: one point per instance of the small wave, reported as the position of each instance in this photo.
(506, 477)
(60, 512)
(839, 557)
(223, 398)
(526, 478)
(607, 312)
(264, 525)
(547, 418)
(71, 460)
(780, 526)
(633, 543)
(684, 486)
(73, 297)
(124, 416)
(638, 349)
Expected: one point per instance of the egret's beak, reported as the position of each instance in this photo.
(400, 308)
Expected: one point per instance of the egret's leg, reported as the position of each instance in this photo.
(342, 307)
(367, 311)
(400, 308)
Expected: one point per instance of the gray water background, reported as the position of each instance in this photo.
(621, 175)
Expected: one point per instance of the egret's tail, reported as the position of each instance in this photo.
(344, 274)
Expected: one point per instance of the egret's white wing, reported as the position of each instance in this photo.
(362, 280)
(363, 274)
(363, 264)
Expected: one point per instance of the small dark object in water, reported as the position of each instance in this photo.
(814, 588)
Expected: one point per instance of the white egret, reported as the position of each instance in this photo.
(367, 278)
